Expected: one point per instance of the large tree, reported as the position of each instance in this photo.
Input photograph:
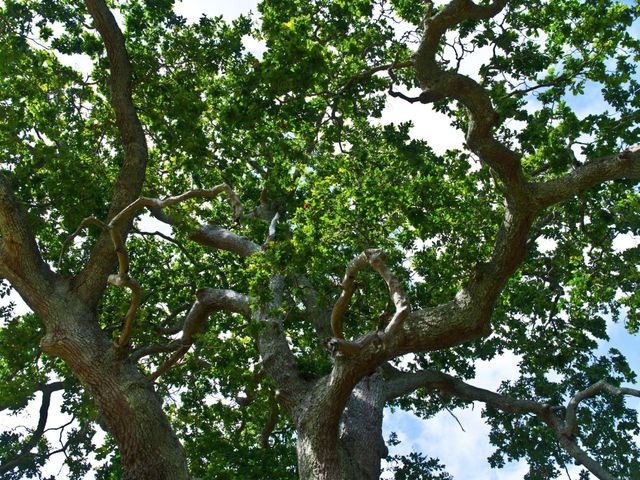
(317, 265)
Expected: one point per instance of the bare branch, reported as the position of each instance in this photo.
(127, 213)
(142, 352)
(178, 244)
(272, 230)
(375, 258)
(25, 453)
(571, 428)
(565, 430)
(372, 71)
(85, 223)
(222, 239)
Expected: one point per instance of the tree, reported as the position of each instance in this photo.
(281, 301)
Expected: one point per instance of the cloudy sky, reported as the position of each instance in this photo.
(463, 452)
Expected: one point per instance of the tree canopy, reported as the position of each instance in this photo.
(316, 264)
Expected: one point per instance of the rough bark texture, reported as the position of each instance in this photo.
(353, 451)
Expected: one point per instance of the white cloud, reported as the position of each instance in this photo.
(624, 241)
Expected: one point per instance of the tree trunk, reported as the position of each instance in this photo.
(127, 402)
(352, 450)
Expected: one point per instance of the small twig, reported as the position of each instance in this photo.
(85, 223)
(456, 418)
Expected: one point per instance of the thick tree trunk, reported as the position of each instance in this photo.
(128, 404)
(353, 450)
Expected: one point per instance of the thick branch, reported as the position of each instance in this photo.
(223, 239)
(276, 356)
(623, 165)
(439, 83)
(92, 280)
(20, 260)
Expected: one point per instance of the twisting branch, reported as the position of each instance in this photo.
(438, 83)
(207, 301)
(116, 229)
(375, 258)
(565, 429)
(571, 428)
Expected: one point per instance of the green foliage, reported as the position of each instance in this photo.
(296, 128)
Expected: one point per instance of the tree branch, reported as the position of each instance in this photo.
(623, 165)
(92, 280)
(438, 83)
(223, 239)
(117, 230)
(207, 301)
(375, 258)
(565, 429)
(25, 453)
(21, 262)
(276, 356)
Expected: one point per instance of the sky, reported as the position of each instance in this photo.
(463, 452)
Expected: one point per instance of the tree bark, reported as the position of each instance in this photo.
(354, 450)
(128, 405)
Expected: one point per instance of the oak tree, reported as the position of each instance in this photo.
(316, 264)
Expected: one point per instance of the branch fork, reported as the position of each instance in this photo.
(117, 228)
(374, 258)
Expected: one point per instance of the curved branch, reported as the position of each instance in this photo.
(223, 239)
(117, 230)
(207, 301)
(93, 278)
(375, 258)
(565, 429)
(571, 428)
(438, 83)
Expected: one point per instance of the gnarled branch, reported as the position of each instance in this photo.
(116, 227)
(565, 430)
(374, 257)
(207, 301)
